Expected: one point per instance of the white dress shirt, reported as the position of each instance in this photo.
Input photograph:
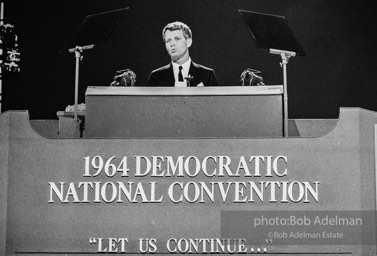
(185, 70)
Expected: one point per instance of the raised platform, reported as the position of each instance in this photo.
(45, 210)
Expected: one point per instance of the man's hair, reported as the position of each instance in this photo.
(177, 26)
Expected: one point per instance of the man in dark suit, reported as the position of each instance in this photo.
(182, 71)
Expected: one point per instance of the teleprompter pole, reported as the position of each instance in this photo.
(78, 56)
(285, 55)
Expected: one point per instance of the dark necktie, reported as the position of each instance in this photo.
(180, 76)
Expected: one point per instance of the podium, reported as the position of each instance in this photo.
(169, 112)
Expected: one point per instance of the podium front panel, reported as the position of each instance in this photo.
(184, 112)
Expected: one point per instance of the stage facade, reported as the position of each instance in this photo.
(196, 191)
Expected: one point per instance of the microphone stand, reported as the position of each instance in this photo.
(78, 55)
(285, 55)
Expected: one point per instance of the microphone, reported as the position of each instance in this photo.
(249, 78)
(125, 77)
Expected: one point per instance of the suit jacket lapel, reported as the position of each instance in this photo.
(169, 76)
(193, 72)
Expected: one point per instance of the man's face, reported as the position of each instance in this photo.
(176, 44)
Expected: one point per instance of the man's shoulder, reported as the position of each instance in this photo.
(161, 69)
(198, 66)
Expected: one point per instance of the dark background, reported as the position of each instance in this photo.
(338, 37)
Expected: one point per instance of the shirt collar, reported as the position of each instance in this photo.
(185, 66)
